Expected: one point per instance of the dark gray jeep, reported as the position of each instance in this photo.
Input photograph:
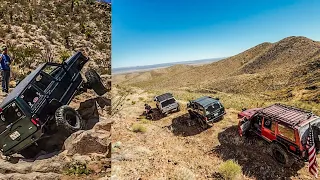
(206, 110)
(166, 103)
(38, 106)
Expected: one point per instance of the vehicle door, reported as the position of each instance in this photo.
(243, 126)
(268, 129)
(63, 82)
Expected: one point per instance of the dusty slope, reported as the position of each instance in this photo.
(39, 31)
(171, 149)
(290, 65)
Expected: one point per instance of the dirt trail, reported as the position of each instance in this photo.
(170, 149)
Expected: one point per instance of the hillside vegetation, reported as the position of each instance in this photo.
(39, 31)
(288, 70)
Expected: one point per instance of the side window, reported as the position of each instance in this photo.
(42, 81)
(30, 96)
(269, 124)
(286, 132)
(53, 71)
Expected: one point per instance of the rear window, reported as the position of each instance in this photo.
(30, 96)
(167, 102)
(213, 108)
(286, 132)
(10, 114)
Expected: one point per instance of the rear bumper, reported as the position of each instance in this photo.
(23, 144)
(215, 119)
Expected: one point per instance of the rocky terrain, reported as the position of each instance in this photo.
(174, 147)
(39, 31)
(85, 155)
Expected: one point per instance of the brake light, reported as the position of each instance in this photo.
(35, 121)
(292, 148)
(0, 110)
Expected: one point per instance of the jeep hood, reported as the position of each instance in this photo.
(249, 112)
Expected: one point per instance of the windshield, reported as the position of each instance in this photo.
(212, 108)
(168, 102)
(9, 115)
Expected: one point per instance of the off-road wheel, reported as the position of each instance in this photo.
(30, 152)
(203, 124)
(280, 154)
(178, 108)
(68, 119)
(94, 82)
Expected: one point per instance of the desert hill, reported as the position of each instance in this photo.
(287, 69)
(41, 30)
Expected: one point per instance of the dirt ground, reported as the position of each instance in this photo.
(174, 147)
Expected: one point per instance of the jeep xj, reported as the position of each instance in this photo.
(206, 110)
(285, 127)
(38, 106)
(166, 103)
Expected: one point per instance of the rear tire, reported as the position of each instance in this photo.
(69, 119)
(281, 155)
(94, 81)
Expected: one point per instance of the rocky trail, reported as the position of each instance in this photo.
(174, 147)
(84, 155)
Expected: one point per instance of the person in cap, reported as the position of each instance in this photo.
(5, 62)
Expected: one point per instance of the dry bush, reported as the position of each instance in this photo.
(139, 128)
(183, 173)
(230, 169)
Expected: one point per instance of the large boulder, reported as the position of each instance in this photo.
(96, 140)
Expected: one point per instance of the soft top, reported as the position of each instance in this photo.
(163, 97)
(205, 101)
(288, 115)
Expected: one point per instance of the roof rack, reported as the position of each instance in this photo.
(286, 114)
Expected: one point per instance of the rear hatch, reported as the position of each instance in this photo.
(214, 111)
(169, 105)
(14, 127)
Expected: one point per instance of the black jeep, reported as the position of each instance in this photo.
(38, 106)
(206, 110)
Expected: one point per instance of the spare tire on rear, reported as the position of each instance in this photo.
(68, 119)
(94, 82)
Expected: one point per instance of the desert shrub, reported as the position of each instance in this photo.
(77, 168)
(133, 102)
(141, 99)
(230, 169)
(139, 128)
(64, 55)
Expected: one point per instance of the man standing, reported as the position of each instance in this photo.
(5, 69)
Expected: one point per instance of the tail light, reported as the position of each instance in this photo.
(0, 110)
(35, 120)
(292, 148)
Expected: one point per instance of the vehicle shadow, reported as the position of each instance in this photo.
(184, 126)
(253, 154)
(156, 115)
(53, 144)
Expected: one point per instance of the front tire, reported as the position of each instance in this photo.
(281, 155)
(94, 81)
(69, 119)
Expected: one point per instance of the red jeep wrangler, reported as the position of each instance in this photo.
(285, 127)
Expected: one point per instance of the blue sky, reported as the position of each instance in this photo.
(148, 32)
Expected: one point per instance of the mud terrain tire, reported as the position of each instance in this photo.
(94, 81)
(69, 119)
(281, 155)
